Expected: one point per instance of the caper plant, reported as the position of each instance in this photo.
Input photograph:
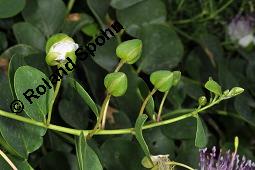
(60, 49)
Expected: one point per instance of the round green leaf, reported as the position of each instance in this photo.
(162, 48)
(9, 8)
(26, 33)
(46, 15)
(143, 13)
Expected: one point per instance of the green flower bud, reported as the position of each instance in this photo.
(129, 51)
(233, 92)
(236, 91)
(58, 48)
(147, 163)
(162, 80)
(202, 101)
(116, 83)
(177, 77)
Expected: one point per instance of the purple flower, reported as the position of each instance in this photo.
(241, 29)
(211, 160)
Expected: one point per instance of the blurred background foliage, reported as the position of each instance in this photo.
(184, 35)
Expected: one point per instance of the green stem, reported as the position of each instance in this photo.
(8, 160)
(146, 101)
(180, 164)
(121, 63)
(70, 6)
(105, 108)
(186, 21)
(102, 132)
(40, 124)
(52, 101)
(102, 113)
(175, 112)
(222, 8)
(161, 105)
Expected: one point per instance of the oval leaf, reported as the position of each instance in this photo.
(46, 15)
(28, 79)
(201, 138)
(213, 86)
(26, 33)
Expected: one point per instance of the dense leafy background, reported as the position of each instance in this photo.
(173, 38)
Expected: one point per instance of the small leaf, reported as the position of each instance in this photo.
(85, 96)
(129, 51)
(87, 158)
(213, 86)
(162, 80)
(116, 83)
(139, 136)
(201, 138)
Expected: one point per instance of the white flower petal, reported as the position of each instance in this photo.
(246, 40)
(62, 48)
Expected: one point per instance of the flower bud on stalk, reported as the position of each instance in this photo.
(162, 80)
(116, 83)
(129, 51)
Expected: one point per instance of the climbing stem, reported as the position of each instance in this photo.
(146, 101)
(161, 105)
(53, 100)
